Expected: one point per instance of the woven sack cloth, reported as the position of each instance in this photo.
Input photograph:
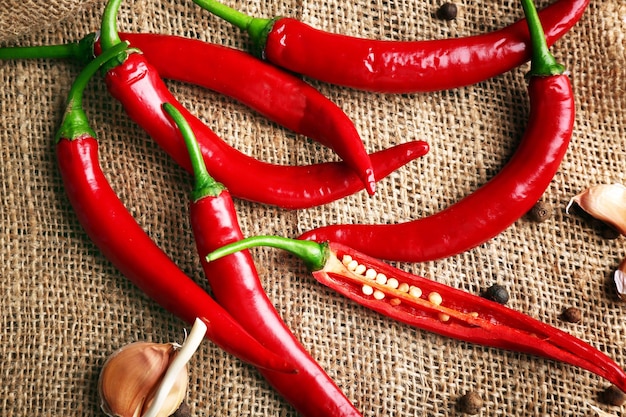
(65, 308)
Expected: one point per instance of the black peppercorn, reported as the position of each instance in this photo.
(540, 212)
(470, 403)
(571, 315)
(613, 396)
(497, 293)
(447, 11)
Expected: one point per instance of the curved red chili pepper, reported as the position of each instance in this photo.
(274, 93)
(236, 286)
(490, 209)
(291, 187)
(122, 241)
(433, 306)
(137, 85)
(397, 66)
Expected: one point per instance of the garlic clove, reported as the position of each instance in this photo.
(619, 277)
(605, 202)
(131, 375)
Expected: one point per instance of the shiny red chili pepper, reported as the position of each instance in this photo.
(120, 238)
(246, 177)
(433, 306)
(396, 66)
(274, 93)
(497, 204)
(236, 286)
(140, 89)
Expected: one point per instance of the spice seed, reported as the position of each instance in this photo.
(470, 403)
(571, 315)
(613, 396)
(497, 293)
(540, 212)
(447, 11)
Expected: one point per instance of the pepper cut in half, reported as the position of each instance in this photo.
(435, 307)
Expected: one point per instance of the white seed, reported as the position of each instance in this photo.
(393, 283)
(404, 287)
(379, 295)
(444, 317)
(415, 291)
(346, 259)
(435, 298)
(367, 290)
(360, 270)
(370, 274)
(381, 279)
(352, 265)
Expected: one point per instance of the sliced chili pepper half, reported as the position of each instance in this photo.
(433, 306)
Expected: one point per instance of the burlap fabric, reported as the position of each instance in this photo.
(65, 308)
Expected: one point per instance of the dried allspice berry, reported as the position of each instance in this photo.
(571, 315)
(447, 11)
(540, 212)
(613, 396)
(470, 403)
(497, 293)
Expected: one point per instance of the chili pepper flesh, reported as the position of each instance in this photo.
(236, 285)
(435, 307)
(396, 66)
(120, 238)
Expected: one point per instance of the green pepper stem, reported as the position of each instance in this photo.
(312, 253)
(204, 184)
(256, 27)
(75, 123)
(81, 50)
(542, 62)
(108, 33)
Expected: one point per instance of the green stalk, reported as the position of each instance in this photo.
(81, 51)
(109, 36)
(204, 184)
(542, 62)
(256, 27)
(312, 253)
(75, 123)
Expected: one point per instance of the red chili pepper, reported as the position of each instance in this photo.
(291, 187)
(274, 93)
(140, 89)
(236, 286)
(497, 204)
(120, 238)
(433, 306)
(396, 66)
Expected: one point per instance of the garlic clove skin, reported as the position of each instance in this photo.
(605, 202)
(131, 376)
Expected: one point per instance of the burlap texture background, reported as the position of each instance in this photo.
(65, 308)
